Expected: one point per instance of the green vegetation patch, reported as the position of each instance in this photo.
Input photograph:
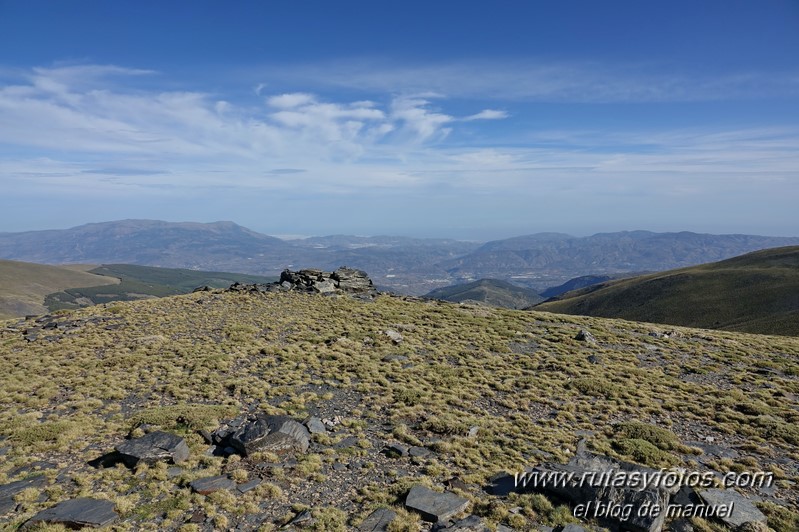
(188, 416)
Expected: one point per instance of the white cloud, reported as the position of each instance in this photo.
(290, 101)
(488, 114)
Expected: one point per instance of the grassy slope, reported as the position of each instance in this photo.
(139, 282)
(757, 293)
(492, 291)
(23, 285)
(518, 376)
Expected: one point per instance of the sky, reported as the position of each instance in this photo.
(470, 120)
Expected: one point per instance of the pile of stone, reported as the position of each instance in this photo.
(346, 280)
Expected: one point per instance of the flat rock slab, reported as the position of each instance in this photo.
(378, 520)
(278, 434)
(467, 524)
(207, 485)
(8, 491)
(434, 506)
(78, 513)
(743, 511)
(154, 447)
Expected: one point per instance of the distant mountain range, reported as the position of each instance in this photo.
(405, 265)
(489, 291)
(757, 293)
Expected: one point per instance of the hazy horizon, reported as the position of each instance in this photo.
(429, 120)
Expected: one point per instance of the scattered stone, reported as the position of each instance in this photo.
(77, 513)
(419, 452)
(593, 359)
(434, 506)
(250, 485)
(8, 491)
(315, 426)
(173, 472)
(393, 335)
(397, 449)
(682, 525)
(743, 510)
(207, 485)
(473, 431)
(378, 521)
(467, 524)
(278, 434)
(585, 336)
(154, 447)
(395, 358)
(572, 527)
(304, 518)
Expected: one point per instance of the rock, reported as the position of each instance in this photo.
(315, 426)
(278, 434)
(393, 335)
(304, 518)
(378, 521)
(207, 485)
(681, 525)
(753, 526)
(352, 280)
(8, 491)
(77, 513)
(473, 431)
(743, 511)
(572, 527)
(585, 336)
(593, 359)
(467, 524)
(397, 449)
(419, 452)
(154, 447)
(434, 506)
(247, 486)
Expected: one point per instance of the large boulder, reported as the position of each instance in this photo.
(154, 447)
(77, 513)
(434, 506)
(277, 434)
(352, 280)
(743, 511)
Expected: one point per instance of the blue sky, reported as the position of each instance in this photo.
(472, 120)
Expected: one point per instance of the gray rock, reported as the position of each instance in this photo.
(467, 524)
(278, 434)
(743, 511)
(154, 447)
(393, 335)
(419, 452)
(585, 336)
(473, 432)
(248, 486)
(681, 525)
(572, 527)
(77, 513)
(315, 426)
(434, 506)
(378, 521)
(8, 491)
(207, 485)
(324, 287)
(304, 518)
(352, 280)
(398, 449)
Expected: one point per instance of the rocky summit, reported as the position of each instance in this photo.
(317, 403)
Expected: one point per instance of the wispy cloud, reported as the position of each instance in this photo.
(83, 130)
(547, 81)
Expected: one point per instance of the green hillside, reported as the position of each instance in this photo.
(409, 393)
(24, 285)
(144, 282)
(757, 293)
(490, 291)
